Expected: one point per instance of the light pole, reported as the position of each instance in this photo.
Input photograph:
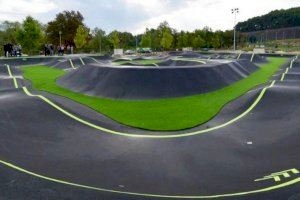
(234, 11)
(60, 37)
(136, 43)
(100, 44)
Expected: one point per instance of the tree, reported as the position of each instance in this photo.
(30, 35)
(98, 41)
(198, 42)
(146, 39)
(167, 39)
(114, 39)
(81, 36)
(182, 40)
(9, 31)
(273, 20)
(216, 40)
(126, 40)
(67, 22)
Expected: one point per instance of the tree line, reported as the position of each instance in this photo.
(273, 20)
(68, 28)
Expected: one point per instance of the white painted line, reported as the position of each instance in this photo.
(81, 61)
(72, 65)
(252, 57)
(239, 56)
(95, 60)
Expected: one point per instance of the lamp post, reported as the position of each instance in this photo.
(60, 37)
(100, 43)
(234, 11)
(136, 44)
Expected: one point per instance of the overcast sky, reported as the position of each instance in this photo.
(135, 15)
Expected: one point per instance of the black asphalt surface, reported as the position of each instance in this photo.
(41, 139)
(133, 82)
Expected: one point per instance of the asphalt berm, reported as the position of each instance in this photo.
(153, 82)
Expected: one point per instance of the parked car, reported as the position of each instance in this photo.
(129, 52)
(144, 50)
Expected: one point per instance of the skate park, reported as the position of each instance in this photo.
(149, 100)
(60, 147)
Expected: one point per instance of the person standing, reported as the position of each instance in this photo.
(68, 49)
(5, 50)
(10, 49)
(20, 49)
(51, 50)
(72, 49)
(62, 48)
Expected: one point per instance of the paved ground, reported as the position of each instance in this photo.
(44, 153)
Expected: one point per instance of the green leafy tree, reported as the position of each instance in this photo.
(146, 39)
(273, 20)
(114, 39)
(127, 40)
(98, 42)
(8, 33)
(182, 40)
(167, 39)
(67, 22)
(198, 42)
(81, 36)
(30, 35)
(216, 40)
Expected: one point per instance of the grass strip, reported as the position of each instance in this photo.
(159, 114)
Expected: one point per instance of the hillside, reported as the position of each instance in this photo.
(273, 20)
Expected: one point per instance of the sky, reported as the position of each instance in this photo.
(136, 15)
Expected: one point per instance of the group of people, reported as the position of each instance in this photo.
(49, 50)
(12, 50)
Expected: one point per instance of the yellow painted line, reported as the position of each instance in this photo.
(72, 65)
(292, 62)
(61, 181)
(252, 57)
(283, 75)
(239, 56)
(95, 60)
(193, 60)
(11, 76)
(81, 61)
(258, 99)
(278, 186)
(276, 176)
(155, 64)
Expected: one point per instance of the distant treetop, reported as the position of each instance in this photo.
(273, 20)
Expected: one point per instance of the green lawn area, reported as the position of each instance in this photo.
(162, 114)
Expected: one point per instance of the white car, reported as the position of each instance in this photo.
(129, 52)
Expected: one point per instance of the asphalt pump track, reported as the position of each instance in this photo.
(175, 77)
(249, 151)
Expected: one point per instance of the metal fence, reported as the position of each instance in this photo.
(274, 34)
